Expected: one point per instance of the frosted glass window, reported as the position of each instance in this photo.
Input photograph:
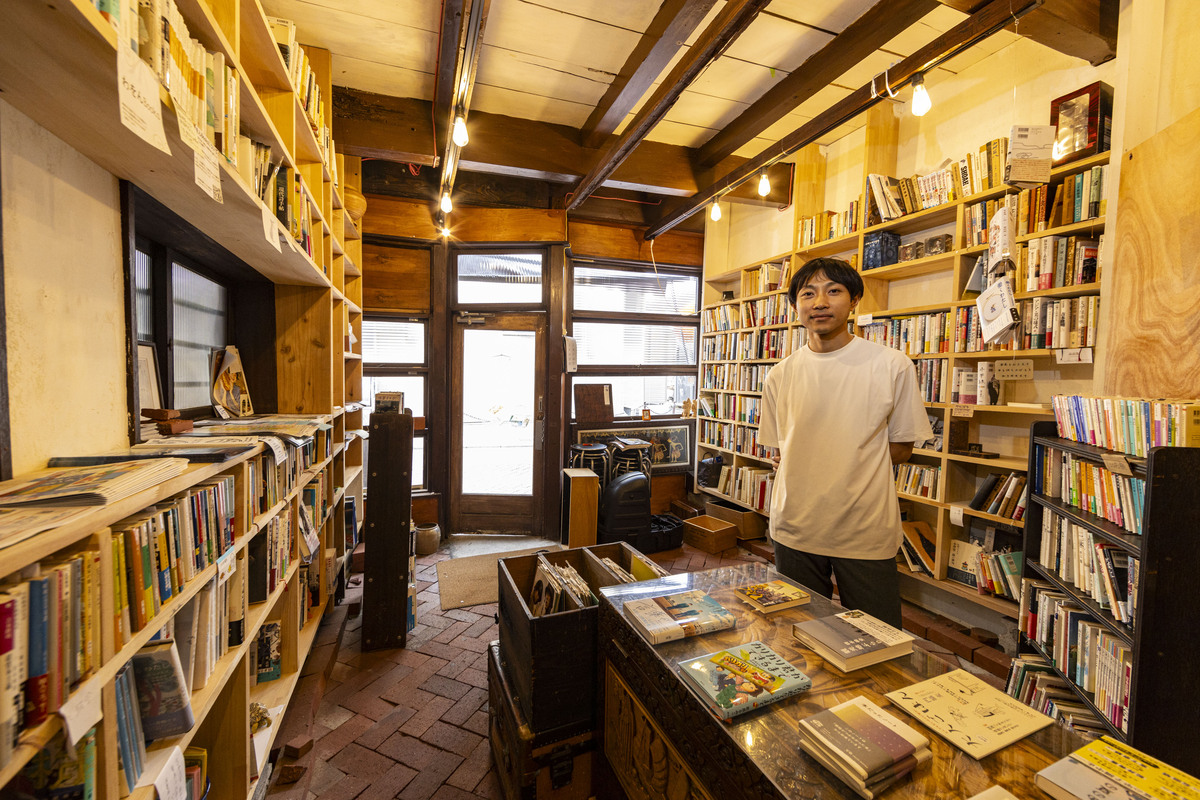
(393, 342)
(626, 344)
(143, 285)
(598, 289)
(500, 278)
(200, 313)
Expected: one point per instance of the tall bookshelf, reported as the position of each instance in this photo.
(1156, 653)
(928, 285)
(58, 66)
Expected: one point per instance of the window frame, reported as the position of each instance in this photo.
(377, 369)
(455, 303)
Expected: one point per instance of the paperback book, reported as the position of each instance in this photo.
(164, 703)
(773, 595)
(675, 616)
(742, 678)
(92, 485)
(1111, 769)
(853, 639)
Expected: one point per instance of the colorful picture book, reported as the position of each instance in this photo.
(773, 595)
(736, 680)
(675, 616)
(164, 703)
(853, 639)
(863, 745)
(1111, 769)
(968, 713)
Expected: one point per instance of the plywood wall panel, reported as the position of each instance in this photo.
(1154, 285)
(614, 241)
(395, 278)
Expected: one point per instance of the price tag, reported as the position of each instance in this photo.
(1073, 355)
(81, 711)
(864, 319)
(1018, 369)
(1117, 463)
(271, 228)
(956, 515)
(208, 171)
(141, 111)
(961, 410)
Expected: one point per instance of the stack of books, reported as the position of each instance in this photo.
(853, 639)
(864, 746)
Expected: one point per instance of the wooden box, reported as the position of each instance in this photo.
(749, 524)
(628, 558)
(709, 534)
(555, 764)
(580, 506)
(551, 659)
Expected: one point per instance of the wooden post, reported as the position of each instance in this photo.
(388, 532)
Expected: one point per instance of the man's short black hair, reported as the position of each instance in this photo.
(834, 269)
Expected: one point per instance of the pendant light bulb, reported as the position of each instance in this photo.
(447, 204)
(715, 214)
(460, 132)
(920, 99)
(764, 185)
(445, 233)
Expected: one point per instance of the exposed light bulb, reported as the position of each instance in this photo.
(764, 185)
(715, 214)
(460, 132)
(920, 99)
(447, 204)
(445, 233)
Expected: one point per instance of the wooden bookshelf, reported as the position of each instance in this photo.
(58, 66)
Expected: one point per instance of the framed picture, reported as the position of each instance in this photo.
(1082, 122)
(670, 443)
(149, 395)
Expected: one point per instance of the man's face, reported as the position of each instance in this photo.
(824, 306)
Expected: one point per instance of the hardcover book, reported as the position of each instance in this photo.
(968, 713)
(853, 639)
(737, 680)
(675, 616)
(773, 595)
(163, 699)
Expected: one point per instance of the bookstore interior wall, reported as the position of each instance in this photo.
(64, 297)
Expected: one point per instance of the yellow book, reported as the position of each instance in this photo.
(1137, 771)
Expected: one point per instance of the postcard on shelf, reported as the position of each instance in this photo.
(734, 681)
(773, 595)
(1030, 155)
(971, 715)
(675, 616)
(229, 389)
(853, 639)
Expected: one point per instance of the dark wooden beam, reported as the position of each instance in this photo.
(447, 61)
(877, 26)
(1084, 29)
(670, 28)
(991, 18)
(733, 19)
(467, 63)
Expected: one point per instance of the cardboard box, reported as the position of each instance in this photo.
(709, 534)
(750, 524)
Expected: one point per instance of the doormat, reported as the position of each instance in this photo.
(471, 580)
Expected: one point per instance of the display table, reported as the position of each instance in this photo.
(662, 742)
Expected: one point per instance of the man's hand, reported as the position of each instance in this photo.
(900, 451)
(775, 460)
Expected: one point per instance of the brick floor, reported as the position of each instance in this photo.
(412, 723)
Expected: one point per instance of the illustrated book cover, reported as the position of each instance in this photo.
(742, 678)
(230, 393)
(163, 700)
(968, 713)
(853, 639)
(1112, 769)
(773, 595)
(675, 616)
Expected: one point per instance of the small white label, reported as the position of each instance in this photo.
(1018, 369)
(226, 564)
(1117, 463)
(208, 171)
(271, 228)
(956, 515)
(81, 711)
(961, 410)
(864, 319)
(1073, 355)
(187, 131)
(141, 110)
(166, 771)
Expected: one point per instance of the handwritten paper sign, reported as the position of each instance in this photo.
(81, 711)
(864, 319)
(208, 171)
(165, 770)
(1018, 369)
(1117, 463)
(141, 111)
(956, 515)
(1073, 355)
(271, 228)
(961, 410)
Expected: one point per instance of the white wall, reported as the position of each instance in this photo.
(64, 297)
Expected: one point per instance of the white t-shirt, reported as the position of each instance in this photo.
(832, 416)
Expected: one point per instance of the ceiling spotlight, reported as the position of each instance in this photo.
(460, 132)
(764, 185)
(715, 214)
(445, 233)
(447, 205)
(920, 99)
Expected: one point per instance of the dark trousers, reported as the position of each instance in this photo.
(867, 584)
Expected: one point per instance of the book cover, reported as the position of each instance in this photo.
(773, 595)
(267, 664)
(665, 619)
(865, 738)
(853, 639)
(743, 678)
(968, 713)
(1070, 779)
(1143, 775)
(920, 539)
(163, 699)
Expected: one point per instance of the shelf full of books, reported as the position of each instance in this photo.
(1108, 571)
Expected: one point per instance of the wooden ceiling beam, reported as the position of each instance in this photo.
(733, 19)
(668, 31)
(466, 63)
(1084, 29)
(877, 26)
(447, 63)
(983, 23)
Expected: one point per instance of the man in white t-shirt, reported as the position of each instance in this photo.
(842, 410)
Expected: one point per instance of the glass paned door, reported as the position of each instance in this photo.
(499, 372)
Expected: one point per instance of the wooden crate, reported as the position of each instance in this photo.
(709, 534)
(627, 557)
(551, 659)
(749, 524)
(555, 764)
